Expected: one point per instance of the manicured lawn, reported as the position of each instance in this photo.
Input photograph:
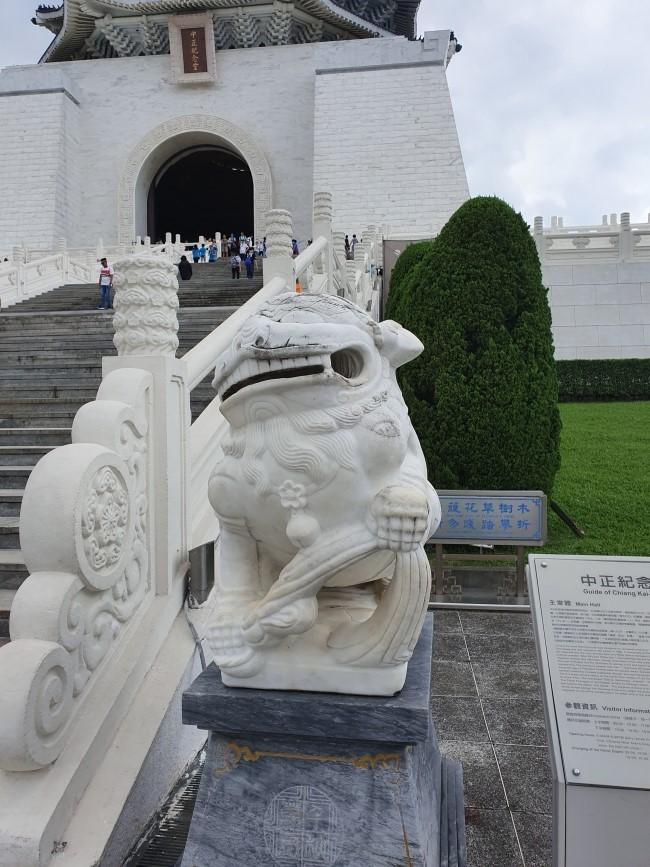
(604, 481)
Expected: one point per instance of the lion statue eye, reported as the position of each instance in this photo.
(347, 362)
(386, 428)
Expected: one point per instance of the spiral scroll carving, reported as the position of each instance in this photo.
(146, 302)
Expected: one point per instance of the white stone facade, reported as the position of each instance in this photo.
(386, 146)
(68, 131)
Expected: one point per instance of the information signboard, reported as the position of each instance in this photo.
(592, 625)
(493, 517)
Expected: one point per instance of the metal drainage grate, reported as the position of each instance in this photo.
(163, 842)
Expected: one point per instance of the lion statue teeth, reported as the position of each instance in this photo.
(323, 503)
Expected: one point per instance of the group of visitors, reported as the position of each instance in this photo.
(244, 251)
(350, 245)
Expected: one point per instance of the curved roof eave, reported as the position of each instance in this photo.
(78, 24)
(76, 28)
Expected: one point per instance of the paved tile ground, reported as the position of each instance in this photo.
(488, 713)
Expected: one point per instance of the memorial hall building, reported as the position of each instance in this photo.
(196, 117)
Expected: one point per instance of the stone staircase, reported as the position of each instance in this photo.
(51, 349)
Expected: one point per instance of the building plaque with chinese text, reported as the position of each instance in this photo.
(194, 54)
(191, 48)
(592, 620)
(492, 517)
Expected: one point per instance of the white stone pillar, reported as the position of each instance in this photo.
(625, 247)
(323, 228)
(538, 235)
(279, 260)
(144, 283)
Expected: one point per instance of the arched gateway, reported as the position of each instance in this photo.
(185, 134)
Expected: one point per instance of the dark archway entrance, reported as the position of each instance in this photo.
(200, 191)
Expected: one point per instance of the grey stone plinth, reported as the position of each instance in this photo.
(317, 780)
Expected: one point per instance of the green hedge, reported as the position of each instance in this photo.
(483, 394)
(604, 379)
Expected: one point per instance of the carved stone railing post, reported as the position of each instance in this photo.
(146, 327)
(626, 247)
(323, 228)
(338, 266)
(279, 260)
(538, 235)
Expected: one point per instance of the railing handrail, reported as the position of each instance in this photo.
(310, 254)
(201, 358)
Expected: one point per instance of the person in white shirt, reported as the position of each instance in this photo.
(105, 285)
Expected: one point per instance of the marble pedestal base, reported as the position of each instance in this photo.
(318, 779)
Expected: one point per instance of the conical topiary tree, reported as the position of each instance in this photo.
(483, 394)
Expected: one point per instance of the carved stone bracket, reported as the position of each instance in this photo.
(85, 537)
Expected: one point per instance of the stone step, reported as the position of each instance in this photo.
(22, 456)
(48, 418)
(10, 500)
(4, 627)
(13, 572)
(14, 476)
(52, 436)
(9, 532)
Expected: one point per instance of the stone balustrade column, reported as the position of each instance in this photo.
(279, 260)
(351, 273)
(625, 248)
(146, 338)
(338, 247)
(538, 235)
(323, 228)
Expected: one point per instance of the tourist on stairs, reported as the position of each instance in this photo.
(184, 269)
(248, 262)
(196, 254)
(105, 285)
(235, 263)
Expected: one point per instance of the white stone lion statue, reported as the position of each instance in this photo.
(323, 503)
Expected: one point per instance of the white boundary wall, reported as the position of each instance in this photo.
(599, 287)
(600, 310)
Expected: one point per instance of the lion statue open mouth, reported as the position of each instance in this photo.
(323, 501)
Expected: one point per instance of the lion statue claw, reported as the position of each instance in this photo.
(323, 502)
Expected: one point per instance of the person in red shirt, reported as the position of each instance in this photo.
(105, 285)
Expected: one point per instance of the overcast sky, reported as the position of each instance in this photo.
(552, 98)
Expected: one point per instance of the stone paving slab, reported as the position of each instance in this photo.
(488, 713)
